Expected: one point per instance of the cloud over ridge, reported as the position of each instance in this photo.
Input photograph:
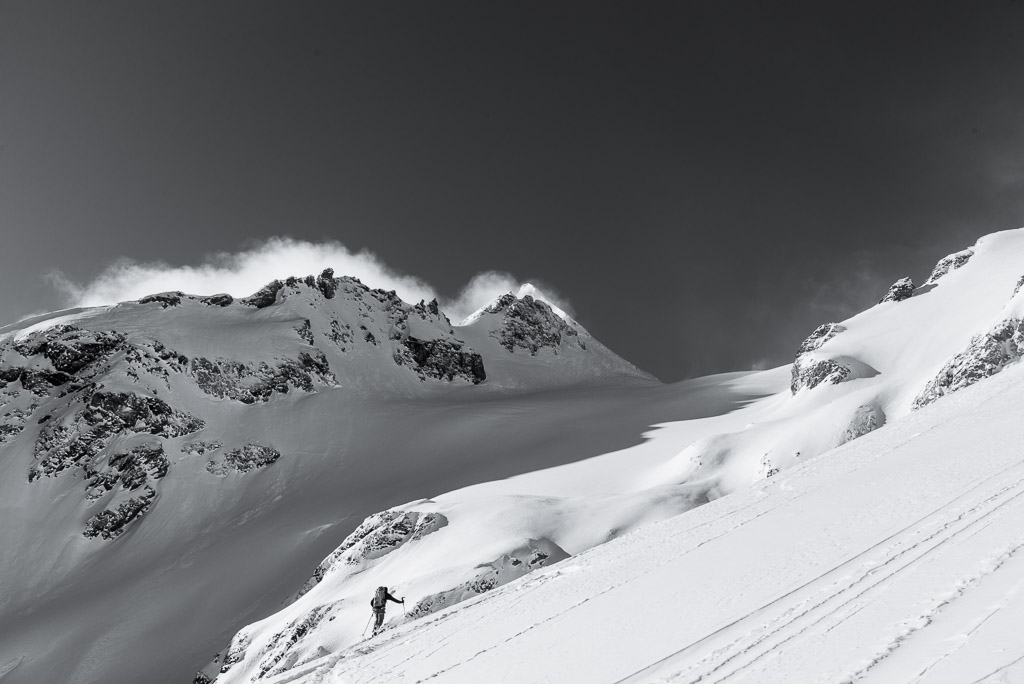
(243, 273)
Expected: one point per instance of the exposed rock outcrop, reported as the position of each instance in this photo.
(530, 324)
(867, 418)
(327, 283)
(200, 448)
(250, 383)
(900, 290)
(534, 554)
(822, 334)
(79, 441)
(442, 360)
(379, 535)
(8, 432)
(283, 642)
(985, 355)
(111, 523)
(223, 299)
(265, 296)
(70, 349)
(164, 299)
(243, 459)
(136, 467)
(949, 263)
(808, 373)
(808, 370)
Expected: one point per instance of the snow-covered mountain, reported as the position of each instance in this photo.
(177, 468)
(778, 565)
(170, 467)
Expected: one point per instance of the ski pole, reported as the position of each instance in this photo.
(367, 625)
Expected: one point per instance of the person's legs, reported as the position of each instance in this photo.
(379, 614)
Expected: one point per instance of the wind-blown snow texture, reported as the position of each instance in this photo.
(777, 582)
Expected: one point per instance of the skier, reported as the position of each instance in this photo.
(378, 603)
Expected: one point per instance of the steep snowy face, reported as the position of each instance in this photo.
(848, 379)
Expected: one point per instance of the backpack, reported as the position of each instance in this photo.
(380, 598)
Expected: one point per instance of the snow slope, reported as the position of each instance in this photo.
(848, 380)
(894, 558)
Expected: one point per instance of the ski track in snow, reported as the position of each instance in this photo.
(870, 571)
(767, 644)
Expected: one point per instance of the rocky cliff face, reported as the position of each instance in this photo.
(530, 325)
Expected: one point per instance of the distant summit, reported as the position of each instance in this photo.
(525, 290)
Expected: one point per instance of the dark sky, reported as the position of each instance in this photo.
(705, 182)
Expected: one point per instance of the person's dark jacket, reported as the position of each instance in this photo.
(388, 597)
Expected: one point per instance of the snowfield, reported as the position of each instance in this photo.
(894, 558)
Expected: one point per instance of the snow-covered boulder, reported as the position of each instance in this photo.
(867, 418)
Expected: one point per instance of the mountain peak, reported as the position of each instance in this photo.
(525, 290)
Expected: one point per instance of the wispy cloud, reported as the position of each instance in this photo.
(242, 273)
(485, 287)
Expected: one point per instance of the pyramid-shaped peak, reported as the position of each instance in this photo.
(502, 302)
